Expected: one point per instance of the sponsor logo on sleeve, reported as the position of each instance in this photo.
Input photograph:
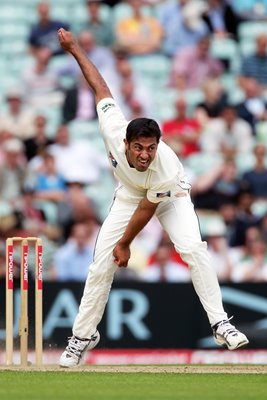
(107, 106)
(112, 159)
(165, 194)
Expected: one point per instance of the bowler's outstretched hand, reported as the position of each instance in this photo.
(66, 39)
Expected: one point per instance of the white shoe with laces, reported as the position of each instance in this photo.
(226, 334)
(76, 349)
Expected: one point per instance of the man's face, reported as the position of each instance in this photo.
(86, 41)
(203, 47)
(229, 115)
(141, 152)
(261, 43)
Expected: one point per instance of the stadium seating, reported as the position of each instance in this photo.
(226, 50)
(123, 10)
(79, 13)
(250, 29)
(83, 129)
(201, 163)
(145, 67)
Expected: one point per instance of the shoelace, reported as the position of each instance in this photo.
(225, 321)
(231, 330)
(74, 346)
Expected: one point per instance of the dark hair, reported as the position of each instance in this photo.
(228, 106)
(145, 127)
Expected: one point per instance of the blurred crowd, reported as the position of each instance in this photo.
(198, 67)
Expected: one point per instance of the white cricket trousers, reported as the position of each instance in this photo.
(179, 220)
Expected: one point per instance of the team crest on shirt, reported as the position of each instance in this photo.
(107, 106)
(166, 194)
(112, 159)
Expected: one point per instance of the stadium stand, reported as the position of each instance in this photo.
(153, 72)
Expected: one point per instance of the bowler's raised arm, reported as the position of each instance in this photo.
(90, 72)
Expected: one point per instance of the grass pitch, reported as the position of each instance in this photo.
(79, 385)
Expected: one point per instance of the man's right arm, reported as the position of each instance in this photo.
(90, 72)
(142, 215)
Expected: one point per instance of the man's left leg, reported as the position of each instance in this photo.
(180, 221)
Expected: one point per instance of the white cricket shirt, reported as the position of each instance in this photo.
(164, 178)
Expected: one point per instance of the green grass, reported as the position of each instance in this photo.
(17, 385)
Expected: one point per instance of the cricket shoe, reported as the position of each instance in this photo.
(76, 349)
(226, 334)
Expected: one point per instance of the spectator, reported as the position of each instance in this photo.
(49, 236)
(245, 218)
(26, 209)
(44, 33)
(133, 95)
(192, 65)
(115, 66)
(139, 34)
(72, 259)
(163, 239)
(123, 70)
(253, 108)
(8, 225)
(101, 57)
(50, 192)
(223, 257)
(250, 9)
(256, 178)
(99, 25)
(227, 212)
(221, 18)
(38, 143)
(227, 134)
(18, 119)
(2, 263)
(76, 161)
(4, 136)
(78, 207)
(179, 32)
(215, 99)
(13, 173)
(145, 245)
(263, 227)
(218, 186)
(252, 267)
(40, 81)
(126, 274)
(135, 101)
(255, 65)
(182, 132)
(164, 269)
(79, 102)
(50, 185)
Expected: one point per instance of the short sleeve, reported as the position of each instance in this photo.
(111, 118)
